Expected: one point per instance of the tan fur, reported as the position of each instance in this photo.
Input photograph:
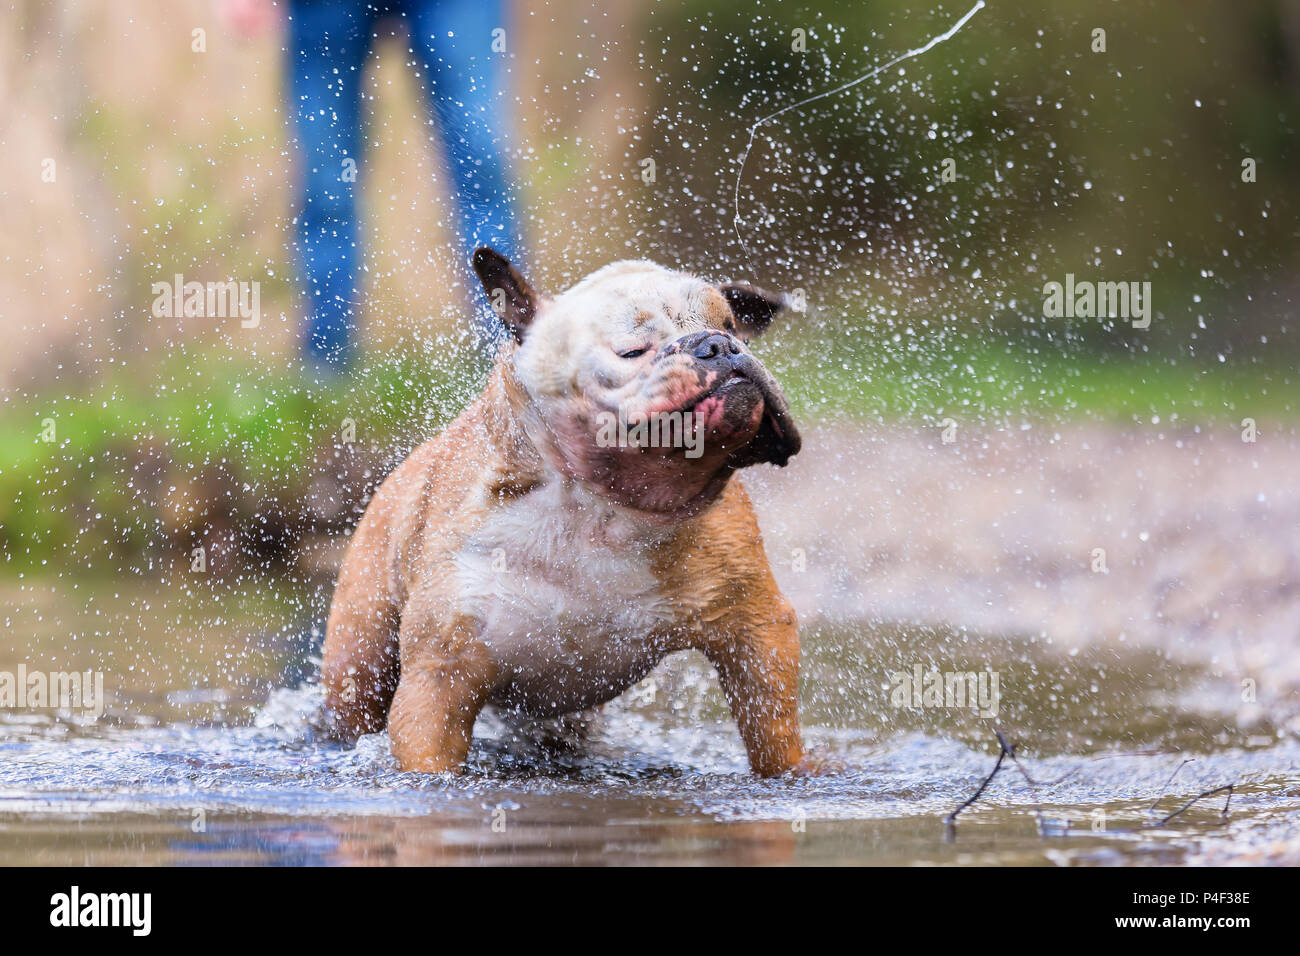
(421, 636)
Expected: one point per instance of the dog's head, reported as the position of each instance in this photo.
(638, 380)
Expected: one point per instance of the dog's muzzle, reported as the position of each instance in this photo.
(714, 351)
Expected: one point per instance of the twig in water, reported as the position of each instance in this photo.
(1161, 795)
(1033, 786)
(1007, 750)
(1200, 796)
(951, 818)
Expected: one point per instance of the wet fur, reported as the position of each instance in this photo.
(486, 571)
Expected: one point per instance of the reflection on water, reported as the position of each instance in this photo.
(207, 755)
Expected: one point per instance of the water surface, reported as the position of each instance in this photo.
(207, 754)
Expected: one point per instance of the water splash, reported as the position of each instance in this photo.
(753, 130)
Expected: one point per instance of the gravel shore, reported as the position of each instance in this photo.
(1003, 531)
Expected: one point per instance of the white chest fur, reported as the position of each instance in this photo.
(563, 584)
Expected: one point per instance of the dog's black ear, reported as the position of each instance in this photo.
(753, 308)
(508, 293)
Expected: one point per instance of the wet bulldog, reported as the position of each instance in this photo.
(578, 522)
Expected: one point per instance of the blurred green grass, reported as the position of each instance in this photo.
(994, 382)
(237, 443)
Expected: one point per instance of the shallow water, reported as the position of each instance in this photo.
(206, 754)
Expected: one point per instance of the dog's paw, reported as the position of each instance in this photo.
(818, 763)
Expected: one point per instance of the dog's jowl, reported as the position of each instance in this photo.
(578, 522)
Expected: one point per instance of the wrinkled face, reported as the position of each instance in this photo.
(639, 382)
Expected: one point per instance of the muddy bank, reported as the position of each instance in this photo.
(1184, 540)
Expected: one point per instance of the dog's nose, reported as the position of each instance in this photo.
(715, 345)
(709, 347)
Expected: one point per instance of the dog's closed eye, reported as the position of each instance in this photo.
(633, 353)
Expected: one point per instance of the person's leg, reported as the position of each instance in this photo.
(328, 43)
(466, 83)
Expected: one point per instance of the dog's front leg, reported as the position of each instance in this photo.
(446, 678)
(758, 664)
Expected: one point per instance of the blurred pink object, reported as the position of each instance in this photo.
(249, 18)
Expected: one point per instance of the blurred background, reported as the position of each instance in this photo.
(924, 295)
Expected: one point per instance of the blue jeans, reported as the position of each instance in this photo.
(464, 81)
